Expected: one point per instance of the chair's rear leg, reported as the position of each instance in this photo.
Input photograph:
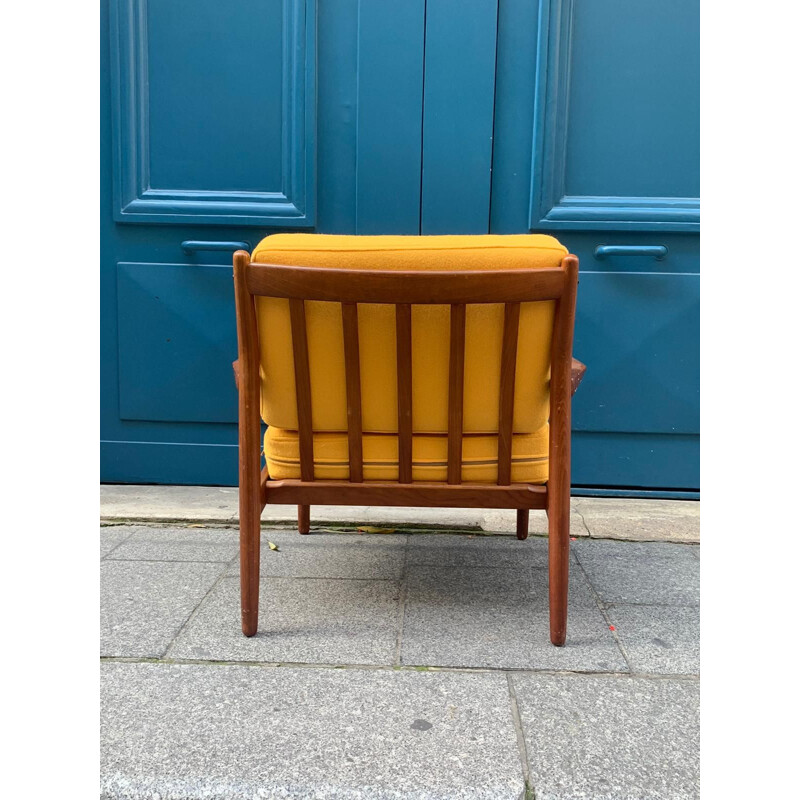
(558, 550)
(304, 519)
(523, 516)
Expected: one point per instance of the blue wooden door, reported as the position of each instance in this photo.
(597, 142)
(224, 122)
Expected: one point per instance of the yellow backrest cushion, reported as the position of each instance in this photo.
(430, 335)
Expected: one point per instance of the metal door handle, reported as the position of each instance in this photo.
(657, 251)
(193, 246)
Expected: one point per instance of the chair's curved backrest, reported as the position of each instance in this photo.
(430, 336)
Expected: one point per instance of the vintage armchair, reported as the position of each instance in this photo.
(406, 371)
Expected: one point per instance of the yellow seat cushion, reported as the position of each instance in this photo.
(430, 335)
(429, 457)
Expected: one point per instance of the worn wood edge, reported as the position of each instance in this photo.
(577, 373)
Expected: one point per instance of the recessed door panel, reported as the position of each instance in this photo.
(638, 333)
(616, 134)
(214, 111)
(177, 339)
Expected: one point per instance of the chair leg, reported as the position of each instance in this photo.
(558, 551)
(249, 560)
(522, 523)
(304, 519)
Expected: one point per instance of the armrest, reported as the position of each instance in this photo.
(578, 371)
(235, 366)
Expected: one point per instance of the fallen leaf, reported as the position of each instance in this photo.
(272, 546)
(373, 529)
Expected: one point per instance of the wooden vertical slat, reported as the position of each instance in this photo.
(402, 313)
(508, 369)
(455, 404)
(352, 369)
(302, 382)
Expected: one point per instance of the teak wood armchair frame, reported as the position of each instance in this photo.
(404, 289)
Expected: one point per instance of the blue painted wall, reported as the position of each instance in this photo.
(228, 122)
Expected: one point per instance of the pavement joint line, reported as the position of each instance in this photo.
(520, 733)
(165, 661)
(601, 606)
(401, 612)
(121, 542)
(195, 611)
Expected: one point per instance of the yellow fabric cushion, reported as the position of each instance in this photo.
(430, 335)
(429, 457)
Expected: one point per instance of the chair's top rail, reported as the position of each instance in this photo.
(415, 287)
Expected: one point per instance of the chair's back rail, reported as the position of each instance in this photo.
(394, 286)
(402, 290)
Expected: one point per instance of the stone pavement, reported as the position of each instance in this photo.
(404, 665)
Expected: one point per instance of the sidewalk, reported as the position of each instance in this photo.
(396, 665)
(602, 518)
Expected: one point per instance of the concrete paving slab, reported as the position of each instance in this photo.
(640, 520)
(177, 544)
(111, 537)
(320, 621)
(144, 604)
(610, 737)
(477, 550)
(498, 617)
(657, 573)
(168, 503)
(330, 555)
(184, 732)
(662, 640)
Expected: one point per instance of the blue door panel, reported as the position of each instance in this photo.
(460, 56)
(177, 340)
(635, 330)
(636, 460)
(389, 119)
(214, 111)
(210, 131)
(515, 96)
(616, 124)
(204, 464)
(634, 69)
